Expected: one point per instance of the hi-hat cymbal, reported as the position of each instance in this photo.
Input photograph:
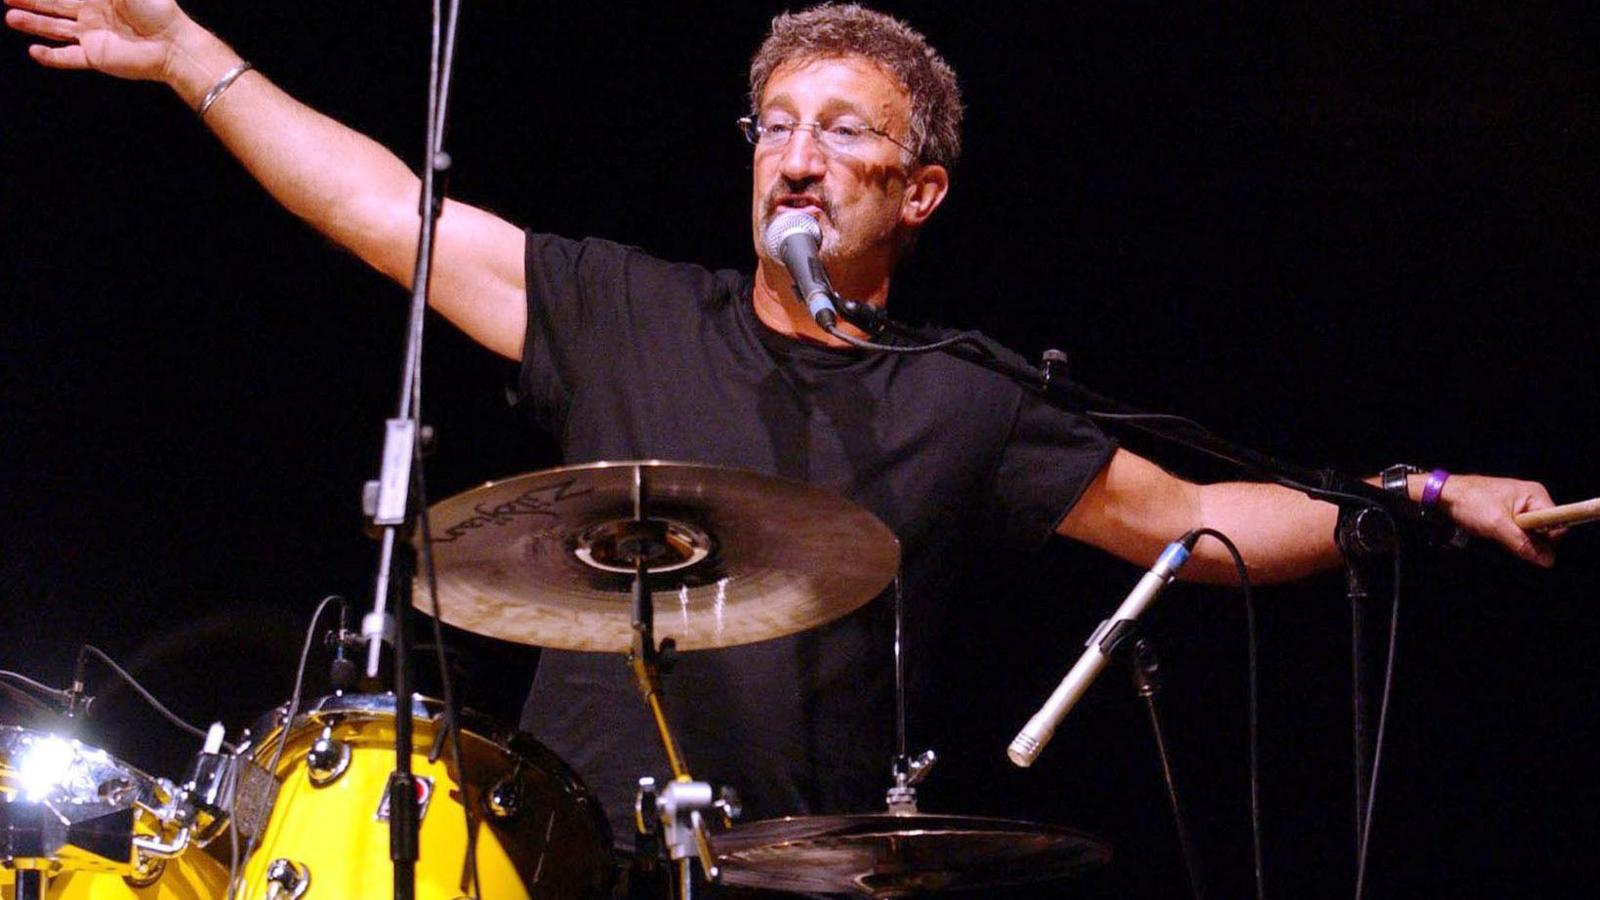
(897, 855)
(735, 556)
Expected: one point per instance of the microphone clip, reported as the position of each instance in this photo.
(78, 701)
(870, 319)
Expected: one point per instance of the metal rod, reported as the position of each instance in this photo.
(649, 685)
(30, 885)
(686, 878)
(899, 675)
(1145, 669)
(403, 820)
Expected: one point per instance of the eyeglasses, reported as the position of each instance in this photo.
(839, 136)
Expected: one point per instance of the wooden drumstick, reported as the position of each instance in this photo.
(1559, 516)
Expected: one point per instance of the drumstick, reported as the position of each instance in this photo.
(1558, 516)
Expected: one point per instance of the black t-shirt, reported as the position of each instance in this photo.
(630, 357)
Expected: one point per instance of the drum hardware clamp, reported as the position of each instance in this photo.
(675, 811)
(908, 773)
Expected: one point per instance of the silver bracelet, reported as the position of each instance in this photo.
(222, 85)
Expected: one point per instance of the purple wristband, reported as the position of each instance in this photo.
(1433, 486)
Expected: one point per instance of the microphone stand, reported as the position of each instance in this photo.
(1365, 536)
(1358, 536)
(394, 501)
(1050, 383)
(1145, 669)
(1372, 523)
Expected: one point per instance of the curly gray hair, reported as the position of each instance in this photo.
(835, 29)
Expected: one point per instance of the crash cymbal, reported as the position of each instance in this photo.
(734, 556)
(896, 855)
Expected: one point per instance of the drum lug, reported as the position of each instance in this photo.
(327, 759)
(503, 800)
(287, 879)
(147, 869)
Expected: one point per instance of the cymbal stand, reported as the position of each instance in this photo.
(677, 809)
(905, 771)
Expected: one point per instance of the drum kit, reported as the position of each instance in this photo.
(603, 557)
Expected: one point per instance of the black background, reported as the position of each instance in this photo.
(1345, 235)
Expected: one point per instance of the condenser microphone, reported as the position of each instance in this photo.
(796, 239)
(1102, 643)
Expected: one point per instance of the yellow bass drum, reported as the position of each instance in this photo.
(540, 834)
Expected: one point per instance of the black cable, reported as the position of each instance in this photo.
(1133, 418)
(1255, 721)
(972, 338)
(446, 69)
(965, 337)
(444, 53)
(1316, 491)
(25, 698)
(1383, 720)
(1136, 418)
(441, 56)
(138, 688)
(56, 694)
(291, 709)
(451, 712)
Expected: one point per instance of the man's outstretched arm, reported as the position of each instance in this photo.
(344, 184)
(1134, 508)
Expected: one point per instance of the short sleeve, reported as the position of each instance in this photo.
(1049, 459)
(571, 284)
(600, 312)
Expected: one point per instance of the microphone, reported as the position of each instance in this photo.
(343, 673)
(77, 699)
(1102, 643)
(796, 239)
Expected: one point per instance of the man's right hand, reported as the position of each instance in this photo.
(345, 185)
(126, 38)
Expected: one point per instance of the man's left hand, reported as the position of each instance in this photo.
(1485, 507)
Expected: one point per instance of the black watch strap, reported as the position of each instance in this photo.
(1394, 478)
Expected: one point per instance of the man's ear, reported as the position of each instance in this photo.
(925, 190)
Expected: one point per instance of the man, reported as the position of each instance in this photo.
(855, 121)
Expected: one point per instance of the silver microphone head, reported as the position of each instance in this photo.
(786, 224)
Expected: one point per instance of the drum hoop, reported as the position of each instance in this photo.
(367, 708)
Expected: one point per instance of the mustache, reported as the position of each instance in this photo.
(781, 192)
